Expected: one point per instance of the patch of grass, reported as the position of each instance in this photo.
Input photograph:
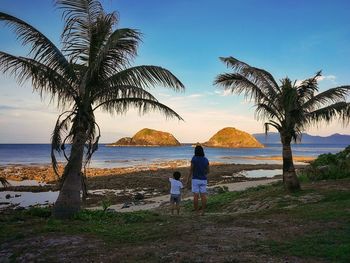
(331, 244)
(221, 201)
(43, 212)
(113, 227)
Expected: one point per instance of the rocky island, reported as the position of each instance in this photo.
(148, 137)
(233, 138)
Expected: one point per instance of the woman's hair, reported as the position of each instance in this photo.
(198, 151)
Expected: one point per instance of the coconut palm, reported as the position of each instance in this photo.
(289, 108)
(92, 71)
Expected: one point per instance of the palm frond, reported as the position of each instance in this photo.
(330, 112)
(80, 17)
(236, 83)
(115, 54)
(100, 32)
(260, 76)
(146, 76)
(42, 49)
(118, 92)
(57, 144)
(308, 87)
(332, 95)
(274, 124)
(120, 106)
(265, 111)
(44, 79)
(93, 140)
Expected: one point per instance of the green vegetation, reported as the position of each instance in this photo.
(116, 227)
(328, 166)
(333, 245)
(312, 224)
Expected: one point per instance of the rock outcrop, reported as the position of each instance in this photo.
(233, 138)
(148, 137)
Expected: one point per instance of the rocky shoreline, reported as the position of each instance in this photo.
(127, 184)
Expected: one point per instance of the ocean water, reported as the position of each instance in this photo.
(108, 157)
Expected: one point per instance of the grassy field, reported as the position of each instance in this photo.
(257, 225)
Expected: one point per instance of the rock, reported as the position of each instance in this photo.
(238, 175)
(148, 137)
(233, 138)
(139, 196)
(8, 196)
(125, 205)
(125, 141)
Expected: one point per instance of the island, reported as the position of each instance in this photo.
(148, 137)
(230, 137)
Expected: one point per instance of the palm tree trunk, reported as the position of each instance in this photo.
(69, 199)
(290, 178)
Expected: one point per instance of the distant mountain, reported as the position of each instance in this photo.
(233, 138)
(274, 137)
(148, 137)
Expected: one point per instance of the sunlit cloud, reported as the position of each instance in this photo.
(328, 77)
(223, 93)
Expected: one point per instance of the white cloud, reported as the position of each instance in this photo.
(327, 77)
(223, 93)
(330, 78)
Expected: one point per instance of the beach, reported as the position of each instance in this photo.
(132, 185)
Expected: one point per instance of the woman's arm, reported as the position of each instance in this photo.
(188, 179)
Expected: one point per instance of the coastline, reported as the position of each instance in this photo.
(139, 183)
(44, 172)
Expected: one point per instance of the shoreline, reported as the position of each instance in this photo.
(134, 184)
(44, 172)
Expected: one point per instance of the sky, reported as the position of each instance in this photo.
(287, 38)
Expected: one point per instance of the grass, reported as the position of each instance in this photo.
(331, 244)
(112, 227)
(316, 229)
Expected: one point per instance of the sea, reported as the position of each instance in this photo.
(110, 157)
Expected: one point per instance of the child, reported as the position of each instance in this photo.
(175, 192)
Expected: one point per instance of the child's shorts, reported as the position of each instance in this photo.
(175, 199)
(199, 186)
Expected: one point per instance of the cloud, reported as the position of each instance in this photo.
(327, 77)
(223, 93)
(330, 78)
(6, 107)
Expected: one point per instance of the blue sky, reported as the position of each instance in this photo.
(287, 38)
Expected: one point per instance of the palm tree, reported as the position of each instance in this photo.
(289, 108)
(92, 71)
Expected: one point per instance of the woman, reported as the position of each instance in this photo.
(198, 172)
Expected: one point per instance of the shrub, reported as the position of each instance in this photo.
(328, 166)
